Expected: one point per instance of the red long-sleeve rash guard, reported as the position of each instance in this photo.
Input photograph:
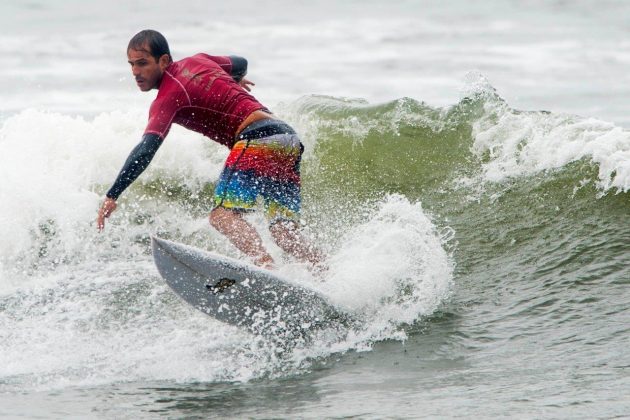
(199, 94)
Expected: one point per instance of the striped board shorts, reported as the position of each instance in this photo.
(263, 166)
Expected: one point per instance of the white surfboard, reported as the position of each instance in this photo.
(241, 294)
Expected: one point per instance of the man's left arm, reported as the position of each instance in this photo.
(236, 67)
(239, 70)
(239, 67)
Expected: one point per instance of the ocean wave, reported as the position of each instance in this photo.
(408, 143)
(405, 198)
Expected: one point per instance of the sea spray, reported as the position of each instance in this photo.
(93, 304)
(57, 168)
(85, 309)
(393, 265)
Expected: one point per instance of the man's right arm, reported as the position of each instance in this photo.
(136, 163)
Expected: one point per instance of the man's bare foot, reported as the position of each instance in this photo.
(319, 269)
(265, 261)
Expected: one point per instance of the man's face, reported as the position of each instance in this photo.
(146, 69)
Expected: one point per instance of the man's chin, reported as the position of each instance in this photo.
(144, 86)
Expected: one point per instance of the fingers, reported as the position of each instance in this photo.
(100, 220)
(245, 84)
(105, 211)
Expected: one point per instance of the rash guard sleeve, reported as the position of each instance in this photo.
(136, 163)
(233, 65)
(239, 67)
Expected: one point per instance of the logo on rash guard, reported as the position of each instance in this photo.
(196, 79)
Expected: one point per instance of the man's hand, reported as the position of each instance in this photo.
(108, 207)
(246, 83)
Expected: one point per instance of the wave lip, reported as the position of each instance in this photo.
(516, 143)
(480, 137)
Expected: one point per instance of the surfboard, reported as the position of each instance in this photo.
(239, 293)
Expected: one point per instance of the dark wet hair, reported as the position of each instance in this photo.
(154, 40)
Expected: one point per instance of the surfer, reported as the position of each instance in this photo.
(210, 95)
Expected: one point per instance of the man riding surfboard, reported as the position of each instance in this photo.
(210, 95)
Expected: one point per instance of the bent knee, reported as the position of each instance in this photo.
(219, 216)
(282, 226)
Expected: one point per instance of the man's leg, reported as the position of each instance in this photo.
(243, 235)
(288, 237)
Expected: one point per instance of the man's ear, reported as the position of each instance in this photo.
(164, 61)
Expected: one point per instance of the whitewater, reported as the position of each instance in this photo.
(467, 172)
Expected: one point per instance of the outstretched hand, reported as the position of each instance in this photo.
(245, 84)
(108, 207)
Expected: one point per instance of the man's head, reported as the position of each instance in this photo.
(148, 54)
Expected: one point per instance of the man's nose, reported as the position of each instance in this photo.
(135, 70)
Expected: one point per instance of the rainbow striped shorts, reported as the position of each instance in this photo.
(263, 166)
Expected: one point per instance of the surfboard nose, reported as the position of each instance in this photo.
(164, 253)
(160, 253)
(156, 242)
(159, 244)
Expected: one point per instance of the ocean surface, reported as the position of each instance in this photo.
(467, 172)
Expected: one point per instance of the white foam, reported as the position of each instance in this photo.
(87, 329)
(524, 143)
(392, 266)
(55, 169)
(104, 316)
